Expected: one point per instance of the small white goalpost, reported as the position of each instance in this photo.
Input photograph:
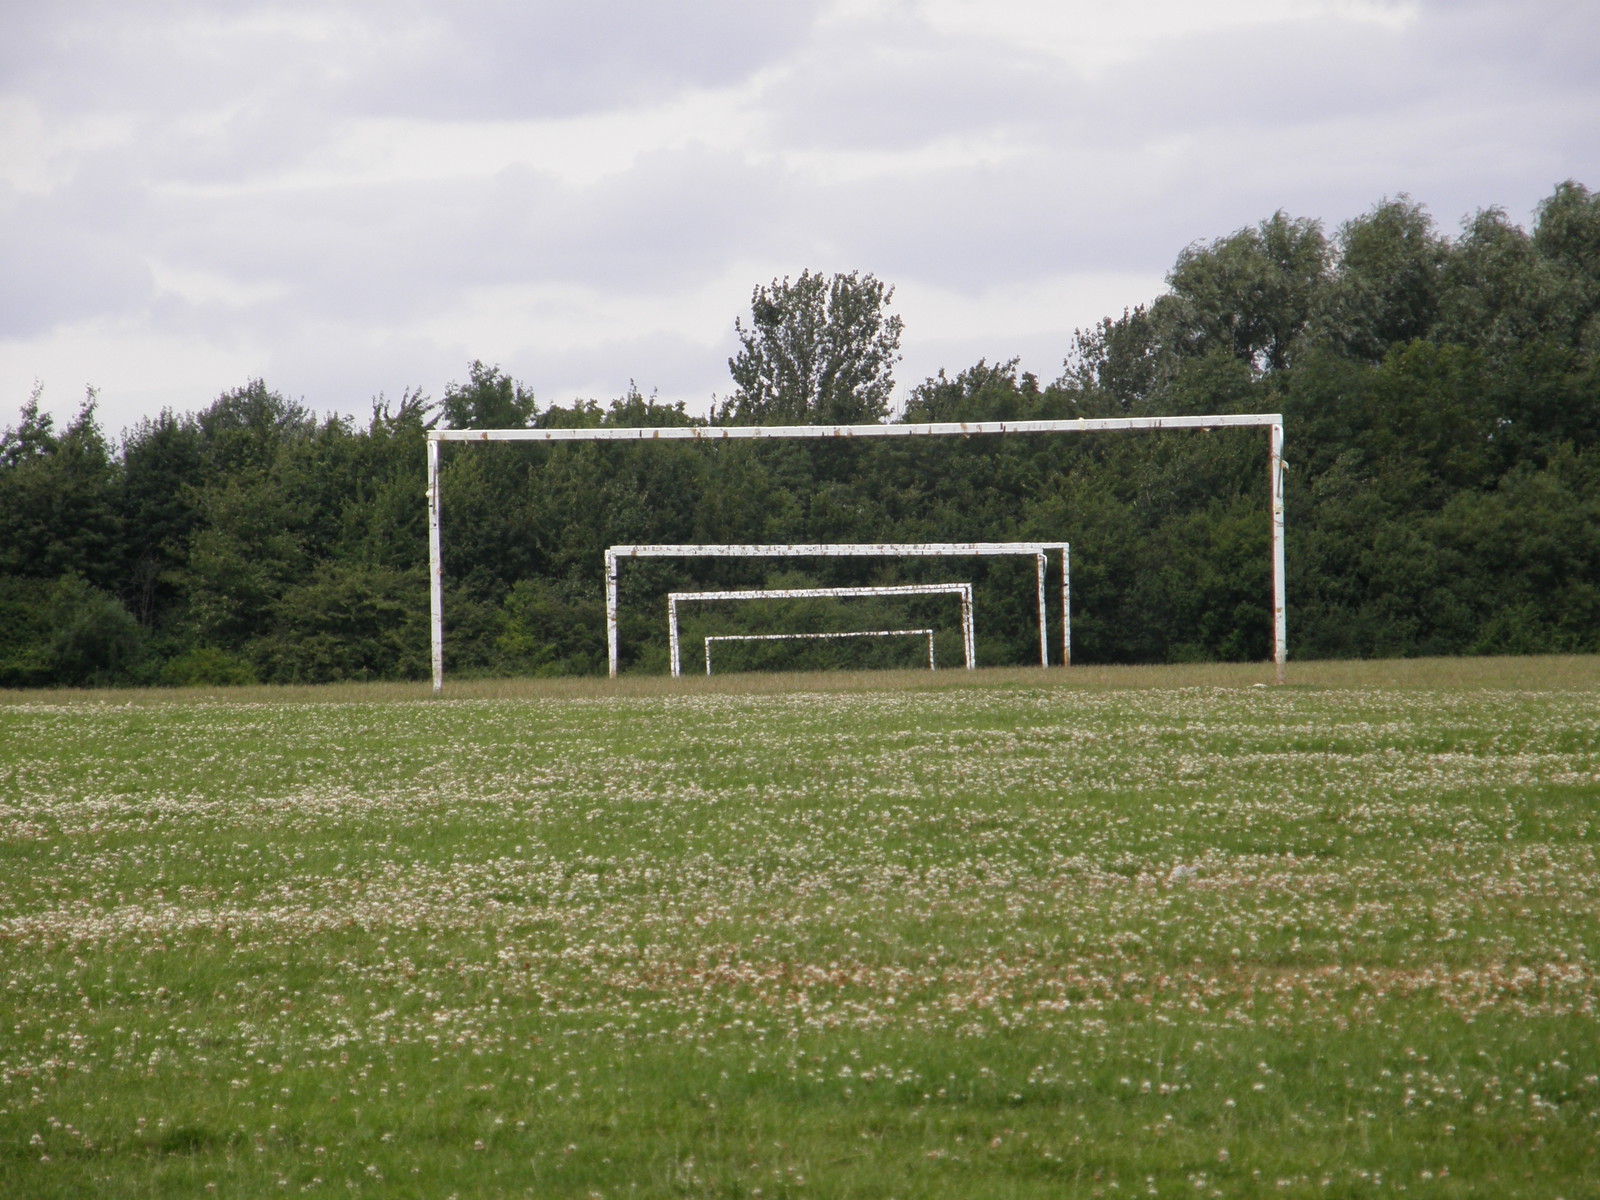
(1272, 422)
(963, 590)
(789, 637)
(1038, 550)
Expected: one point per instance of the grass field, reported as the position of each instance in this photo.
(1000, 934)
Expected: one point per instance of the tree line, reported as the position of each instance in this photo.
(1440, 393)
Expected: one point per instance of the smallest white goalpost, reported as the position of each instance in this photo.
(792, 637)
(963, 590)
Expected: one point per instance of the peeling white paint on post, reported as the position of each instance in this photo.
(726, 433)
(970, 639)
(672, 632)
(963, 590)
(1280, 620)
(1066, 606)
(790, 637)
(435, 568)
(1044, 624)
(611, 609)
(615, 554)
(709, 433)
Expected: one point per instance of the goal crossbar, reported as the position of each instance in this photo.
(962, 590)
(1039, 551)
(1272, 422)
(794, 637)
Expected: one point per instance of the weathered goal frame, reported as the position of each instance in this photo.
(794, 637)
(1039, 551)
(1273, 422)
(969, 641)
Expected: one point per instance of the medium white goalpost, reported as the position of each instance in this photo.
(1272, 422)
(963, 590)
(788, 637)
(1038, 550)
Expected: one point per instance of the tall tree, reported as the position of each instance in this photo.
(1388, 281)
(1568, 236)
(490, 399)
(1248, 294)
(1114, 365)
(1499, 293)
(161, 474)
(56, 492)
(818, 350)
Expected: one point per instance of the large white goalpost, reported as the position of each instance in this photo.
(962, 590)
(1272, 422)
(1038, 550)
(792, 637)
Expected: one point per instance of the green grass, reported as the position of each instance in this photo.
(1099, 932)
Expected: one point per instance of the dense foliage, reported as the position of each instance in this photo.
(1441, 395)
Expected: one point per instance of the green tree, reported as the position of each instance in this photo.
(56, 498)
(162, 470)
(243, 428)
(1499, 293)
(490, 399)
(346, 621)
(65, 632)
(1248, 295)
(1114, 366)
(1388, 281)
(983, 392)
(818, 350)
(1567, 235)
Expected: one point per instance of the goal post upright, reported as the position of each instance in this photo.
(1273, 422)
(435, 566)
(1044, 630)
(1066, 606)
(1280, 632)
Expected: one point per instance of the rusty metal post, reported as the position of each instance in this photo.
(435, 568)
(1066, 605)
(968, 640)
(1044, 629)
(611, 611)
(672, 627)
(1280, 603)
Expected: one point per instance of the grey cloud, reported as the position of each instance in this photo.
(900, 86)
(677, 367)
(59, 265)
(155, 57)
(393, 252)
(505, 58)
(472, 59)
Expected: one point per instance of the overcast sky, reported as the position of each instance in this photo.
(348, 197)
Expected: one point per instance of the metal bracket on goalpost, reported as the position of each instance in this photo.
(969, 642)
(794, 637)
(1039, 551)
(1273, 422)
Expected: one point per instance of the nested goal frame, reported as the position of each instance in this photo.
(1039, 551)
(969, 641)
(1273, 422)
(791, 637)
